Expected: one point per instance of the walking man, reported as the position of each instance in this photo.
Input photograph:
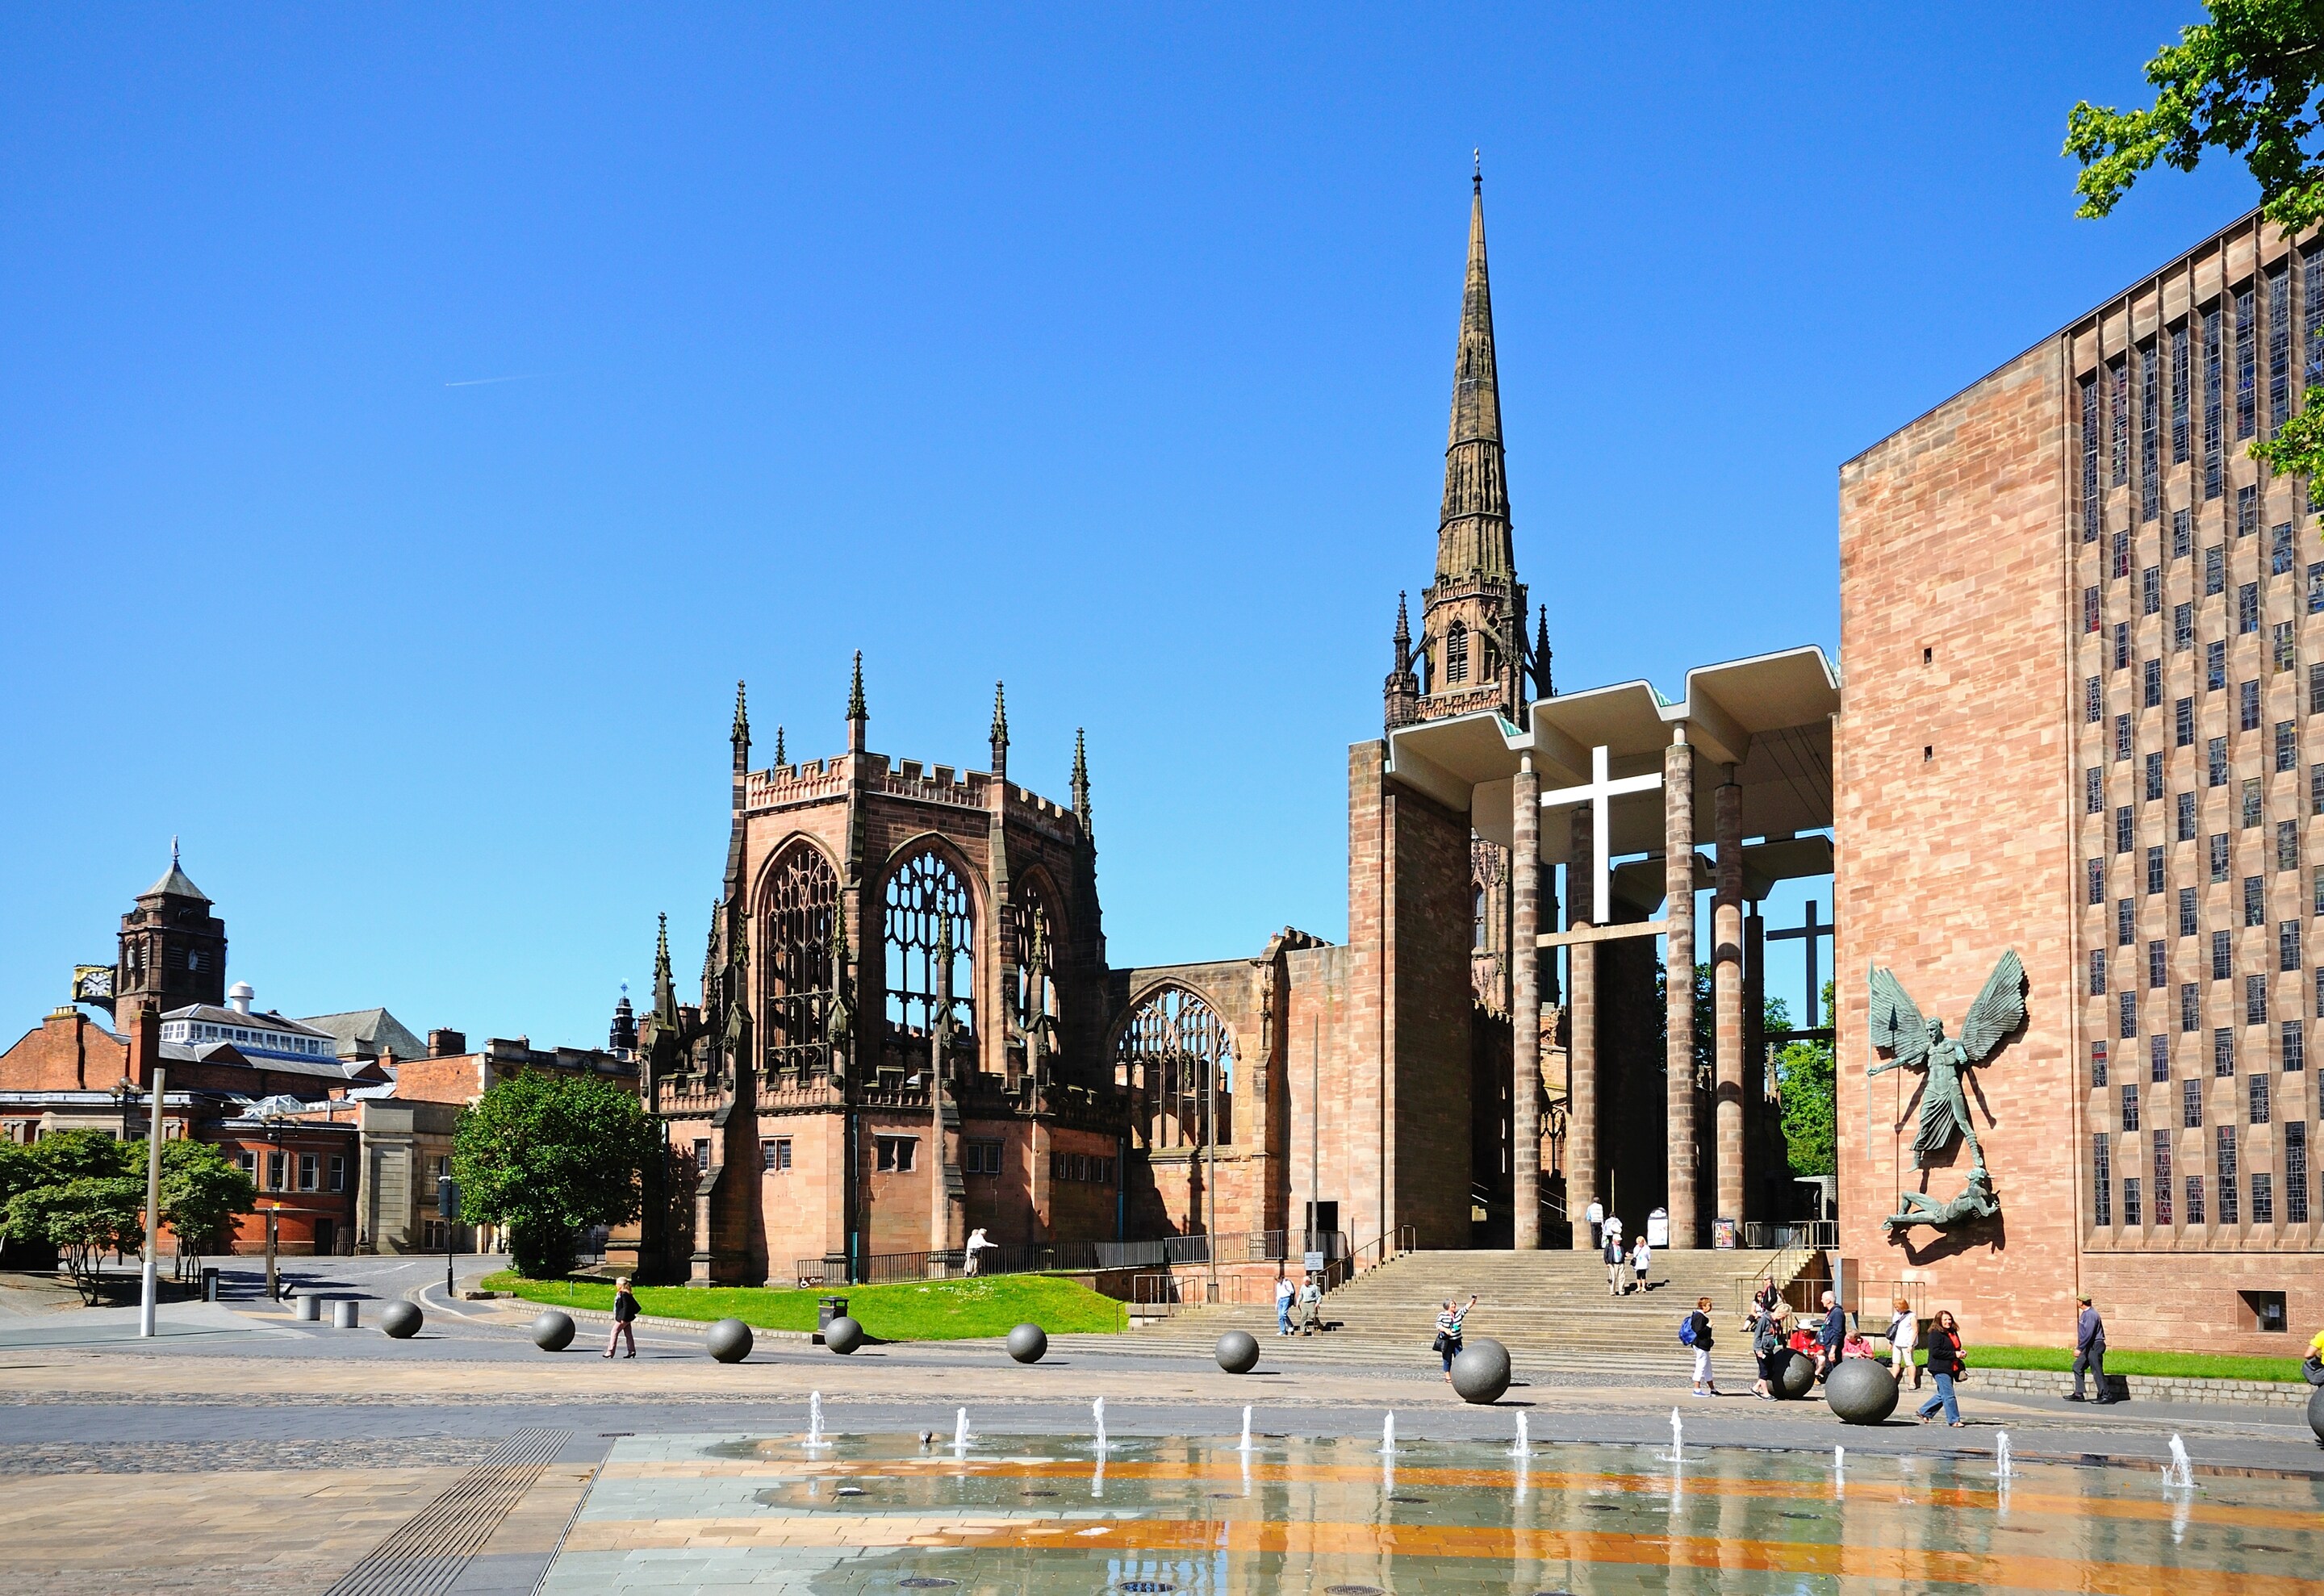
(2089, 1351)
(1616, 1267)
(1283, 1294)
(1311, 1306)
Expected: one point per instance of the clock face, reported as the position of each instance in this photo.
(92, 980)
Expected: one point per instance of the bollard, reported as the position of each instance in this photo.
(308, 1308)
(209, 1284)
(343, 1313)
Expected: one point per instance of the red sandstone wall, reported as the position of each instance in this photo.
(1954, 822)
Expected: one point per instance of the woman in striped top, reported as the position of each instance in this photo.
(1449, 1320)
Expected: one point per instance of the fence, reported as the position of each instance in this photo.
(1759, 1236)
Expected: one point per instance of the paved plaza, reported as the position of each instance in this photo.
(250, 1451)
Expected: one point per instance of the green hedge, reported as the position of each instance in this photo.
(2152, 1365)
(939, 1310)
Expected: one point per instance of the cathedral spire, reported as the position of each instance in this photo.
(665, 990)
(999, 731)
(742, 732)
(1472, 535)
(856, 714)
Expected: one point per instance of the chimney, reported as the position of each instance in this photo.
(443, 1043)
(144, 1042)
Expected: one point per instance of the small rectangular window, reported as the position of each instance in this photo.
(2126, 925)
(774, 1155)
(2163, 1177)
(2248, 608)
(2150, 673)
(2182, 722)
(2130, 1105)
(2158, 1058)
(2256, 1091)
(2223, 1052)
(2097, 971)
(2287, 746)
(2126, 829)
(2153, 871)
(2153, 788)
(2295, 1173)
(2316, 588)
(2255, 1000)
(2287, 844)
(2254, 806)
(2190, 1007)
(339, 1172)
(2182, 532)
(2121, 555)
(2102, 1177)
(2255, 901)
(2216, 762)
(2294, 1035)
(2316, 690)
(2186, 817)
(308, 1170)
(2218, 855)
(2098, 880)
(2222, 956)
(2150, 590)
(278, 1172)
(2247, 695)
(2214, 576)
(2127, 1002)
(2263, 1197)
(2194, 1199)
(2215, 668)
(2122, 645)
(896, 1153)
(2187, 927)
(2287, 948)
(2285, 649)
(2223, 1152)
(2093, 791)
(2182, 628)
(2156, 964)
(2093, 700)
(2279, 546)
(2190, 1104)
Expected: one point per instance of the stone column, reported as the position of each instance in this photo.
(1581, 1040)
(1727, 998)
(1678, 1038)
(1524, 1007)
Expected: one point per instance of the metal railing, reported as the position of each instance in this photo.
(1161, 1294)
(1387, 1244)
(1759, 1235)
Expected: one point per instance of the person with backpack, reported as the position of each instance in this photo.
(1694, 1331)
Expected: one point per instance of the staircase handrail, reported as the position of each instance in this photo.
(1388, 1243)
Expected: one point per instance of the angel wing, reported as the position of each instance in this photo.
(1999, 1008)
(1896, 1021)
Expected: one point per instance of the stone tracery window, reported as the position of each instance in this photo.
(922, 892)
(1176, 1058)
(1034, 997)
(795, 910)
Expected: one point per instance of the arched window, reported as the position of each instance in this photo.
(1177, 1060)
(925, 891)
(1456, 653)
(1476, 919)
(795, 911)
(1035, 995)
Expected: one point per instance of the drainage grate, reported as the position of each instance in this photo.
(1144, 1585)
(924, 1582)
(1353, 1591)
(425, 1555)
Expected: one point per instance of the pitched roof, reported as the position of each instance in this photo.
(174, 884)
(369, 1031)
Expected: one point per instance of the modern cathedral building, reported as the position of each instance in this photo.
(2084, 634)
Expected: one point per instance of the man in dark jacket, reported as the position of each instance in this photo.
(1831, 1335)
(2089, 1351)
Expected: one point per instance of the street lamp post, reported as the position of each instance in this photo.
(145, 1302)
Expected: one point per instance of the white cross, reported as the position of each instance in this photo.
(1595, 793)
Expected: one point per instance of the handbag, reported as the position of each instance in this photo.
(1438, 1344)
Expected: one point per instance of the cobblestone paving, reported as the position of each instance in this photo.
(203, 1457)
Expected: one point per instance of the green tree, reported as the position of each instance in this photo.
(202, 1191)
(2246, 82)
(84, 1218)
(549, 1156)
(1807, 1082)
(77, 1155)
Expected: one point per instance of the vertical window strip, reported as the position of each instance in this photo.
(2163, 1177)
(2214, 448)
(2090, 502)
(2178, 386)
(2225, 1155)
(2279, 348)
(2150, 426)
(2246, 367)
(2295, 1173)
(2102, 1178)
(2311, 293)
(2119, 421)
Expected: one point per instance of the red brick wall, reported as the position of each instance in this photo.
(1954, 821)
(65, 1053)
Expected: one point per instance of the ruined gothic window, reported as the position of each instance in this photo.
(1035, 996)
(1456, 653)
(795, 927)
(924, 891)
(1176, 1060)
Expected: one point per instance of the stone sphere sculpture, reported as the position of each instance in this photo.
(1481, 1372)
(1798, 1377)
(729, 1341)
(400, 1319)
(1860, 1391)
(2316, 1413)
(1238, 1352)
(1029, 1343)
(553, 1330)
(842, 1334)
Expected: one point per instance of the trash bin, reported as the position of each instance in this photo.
(826, 1309)
(209, 1283)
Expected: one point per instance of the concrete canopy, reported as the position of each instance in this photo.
(1769, 716)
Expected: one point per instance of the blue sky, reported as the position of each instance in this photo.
(413, 420)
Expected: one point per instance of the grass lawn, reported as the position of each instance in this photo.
(2154, 1365)
(940, 1310)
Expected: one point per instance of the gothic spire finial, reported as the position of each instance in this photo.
(856, 713)
(741, 733)
(1081, 783)
(1541, 677)
(779, 747)
(1478, 156)
(1000, 734)
(1402, 626)
(173, 850)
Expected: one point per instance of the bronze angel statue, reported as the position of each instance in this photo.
(1921, 1044)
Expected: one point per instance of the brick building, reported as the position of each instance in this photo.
(2085, 637)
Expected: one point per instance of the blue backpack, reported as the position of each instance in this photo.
(1686, 1332)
